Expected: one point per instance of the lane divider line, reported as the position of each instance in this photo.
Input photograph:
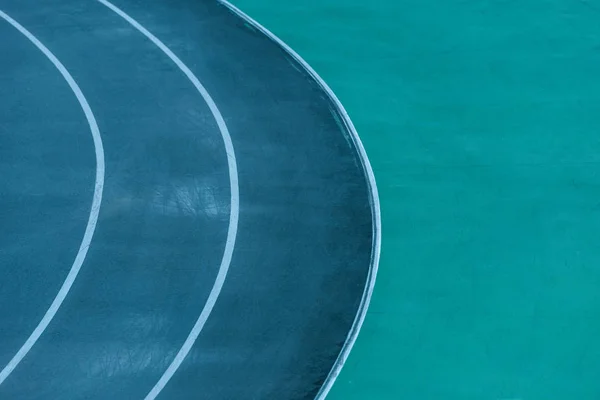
(234, 212)
(94, 211)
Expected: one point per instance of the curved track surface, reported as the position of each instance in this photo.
(236, 222)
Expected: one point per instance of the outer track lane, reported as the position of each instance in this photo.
(305, 239)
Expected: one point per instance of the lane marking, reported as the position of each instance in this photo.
(235, 204)
(95, 210)
(374, 199)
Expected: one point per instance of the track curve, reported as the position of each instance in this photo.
(307, 246)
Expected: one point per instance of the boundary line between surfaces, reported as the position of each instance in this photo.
(374, 199)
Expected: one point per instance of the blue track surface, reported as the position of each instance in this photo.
(302, 247)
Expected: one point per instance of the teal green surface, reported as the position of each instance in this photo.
(482, 122)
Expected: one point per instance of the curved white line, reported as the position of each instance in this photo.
(375, 207)
(235, 204)
(95, 210)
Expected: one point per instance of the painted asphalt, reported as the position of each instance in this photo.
(236, 219)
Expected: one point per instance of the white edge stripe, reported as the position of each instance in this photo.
(95, 209)
(376, 210)
(234, 213)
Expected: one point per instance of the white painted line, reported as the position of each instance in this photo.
(95, 210)
(375, 207)
(235, 205)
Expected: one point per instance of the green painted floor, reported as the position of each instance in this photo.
(482, 122)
